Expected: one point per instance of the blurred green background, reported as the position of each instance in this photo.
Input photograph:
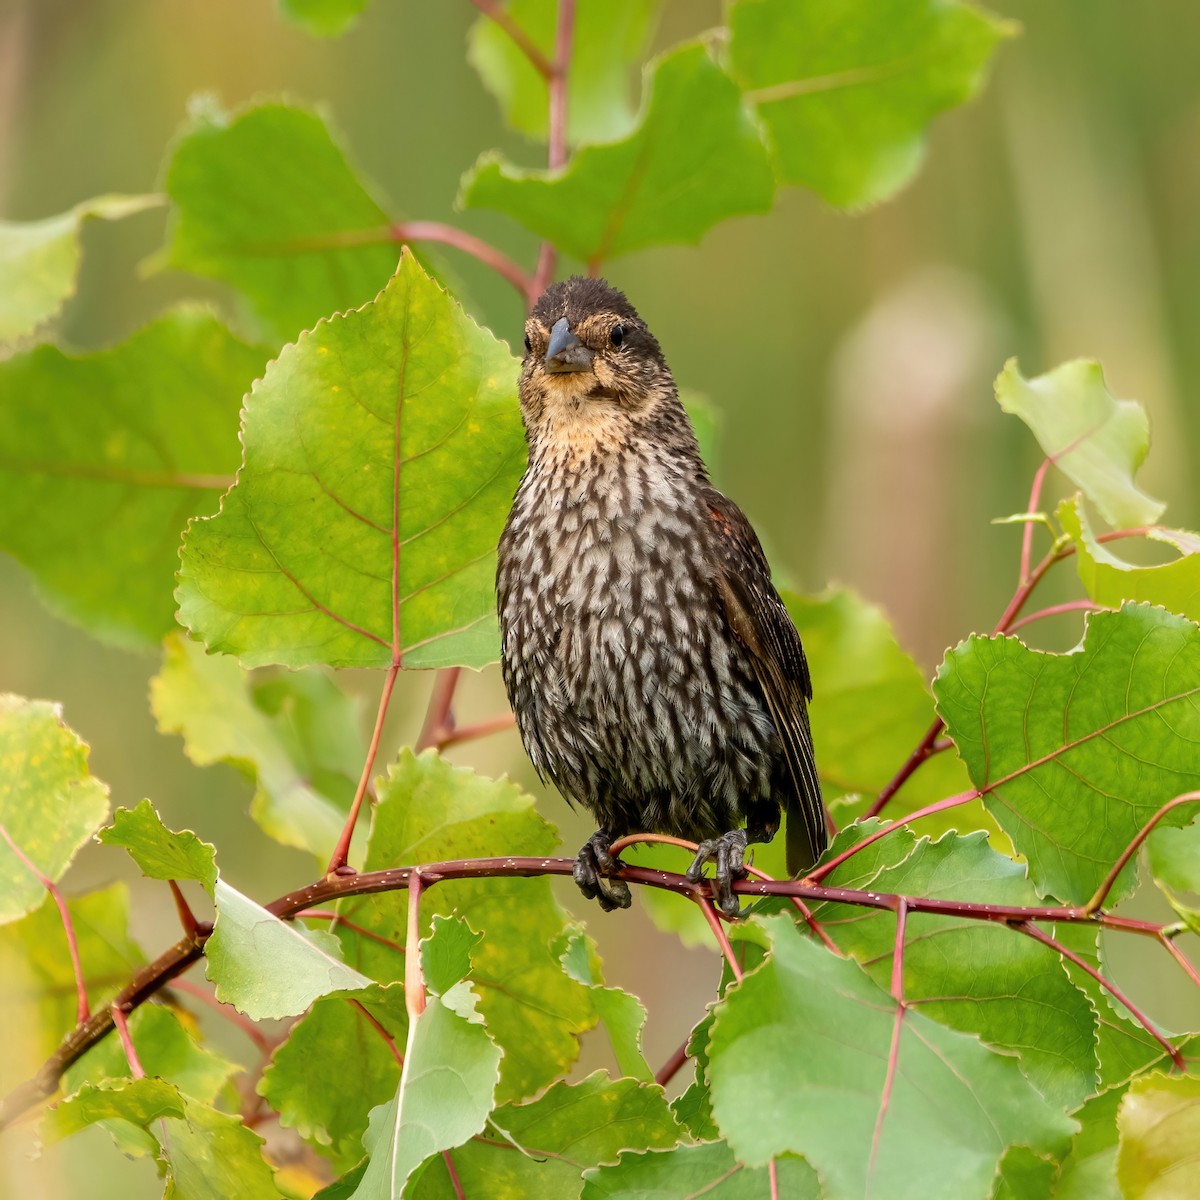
(849, 358)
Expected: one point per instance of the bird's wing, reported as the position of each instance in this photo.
(760, 623)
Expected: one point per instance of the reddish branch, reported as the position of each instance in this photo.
(188, 950)
(81, 1000)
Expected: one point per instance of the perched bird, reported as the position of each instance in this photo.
(654, 672)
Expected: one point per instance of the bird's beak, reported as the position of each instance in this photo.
(565, 351)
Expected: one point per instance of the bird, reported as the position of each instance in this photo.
(654, 672)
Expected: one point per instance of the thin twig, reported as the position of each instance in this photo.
(1055, 610)
(494, 11)
(375, 1024)
(321, 914)
(263, 1043)
(1038, 935)
(81, 1001)
(187, 918)
(481, 729)
(564, 33)
(1097, 901)
(131, 1057)
(341, 853)
(1035, 498)
(674, 1064)
(414, 976)
(439, 715)
(714, 923)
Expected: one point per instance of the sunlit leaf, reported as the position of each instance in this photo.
(39, 260)
(608, 38)
(847, 87)
(1110, 580)
(266, 967)
(541, 1148)
(709, 1170)
(813, 1032)
(105, 456)
(430, 811)
(382, 451)
(1159, 1122)
(297, 735)
(37, 983)
(446, 952)
(138, 1101)
(987, 980)
(451, 1068)
(160, 853)
(209, 1155)
(1075, 752)
(165, 1048)
(694, 159)
(622, 1014)
(322, 18)
(335, 1042)
(49, 804)
(1089, 1171)
(265, 200)
(1096, 440)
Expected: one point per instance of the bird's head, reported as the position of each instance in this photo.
(593, 375)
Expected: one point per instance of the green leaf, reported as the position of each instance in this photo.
(39, 260)
(1075, 752)
(37, 983)
(446, 952)
(49, 804)
(430, 811)
(265, 200)
(623, 1015)
(1110, 580)
(322, 18)
(1174, 856)
(847, 87)
(1159, 1153)
(873, 705)
(160, 853)
(268, 968)
(381, 455)
(693, 1110)
(709, 1170)
(813, 1032)
(105, 456)
(140, 1101)
(1024, 1175)
(987, 980)
(306, 1081)
(541, 1148)
(297, 735)
(1089, 1171)
(609, 37)
(1096, 440)
(166, 1050)
(210, 1155)
(451, 1068)
(694, 159)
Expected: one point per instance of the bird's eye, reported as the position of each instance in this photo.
(616, 334)
(528, 344)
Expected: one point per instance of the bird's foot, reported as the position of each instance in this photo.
(593, 869)
(728, 853)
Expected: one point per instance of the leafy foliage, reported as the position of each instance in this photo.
(381, 452)
(1072, 770)
(927, 1026)
(100, 473)
(846, 88)
(49, 804)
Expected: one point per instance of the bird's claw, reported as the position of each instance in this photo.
(593, 871)
(728, 853)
